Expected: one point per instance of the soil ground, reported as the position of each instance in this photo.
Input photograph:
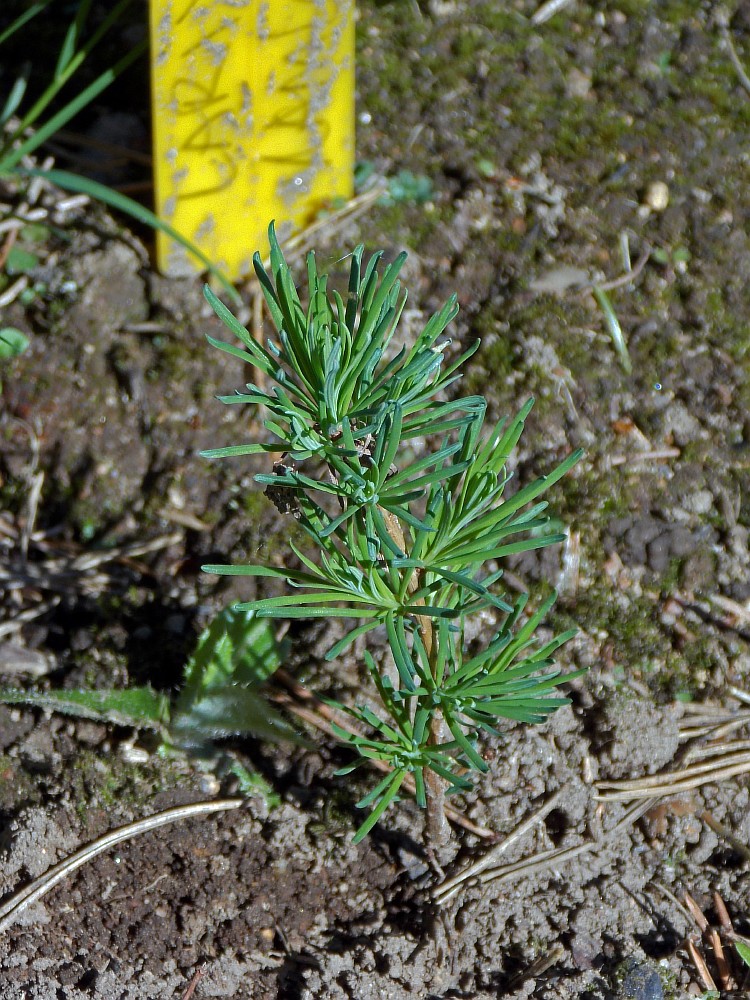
(547, 145)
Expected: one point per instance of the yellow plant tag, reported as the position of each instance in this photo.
(253, 110)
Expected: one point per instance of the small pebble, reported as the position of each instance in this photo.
(132, 754)
(210, 784)
(657, 196)
(641, 981)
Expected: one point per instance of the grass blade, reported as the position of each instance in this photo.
(22, 19)
(613, 325)
(83, 185)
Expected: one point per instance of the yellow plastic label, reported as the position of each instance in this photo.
(253, 109)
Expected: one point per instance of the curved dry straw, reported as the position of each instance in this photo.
(714, 763)
(21, 900)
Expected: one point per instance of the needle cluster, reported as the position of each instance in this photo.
(412, 544)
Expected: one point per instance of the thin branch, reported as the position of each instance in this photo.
(545, 860)
(437, 830)
(726, 834)
(628, 277)
(194, 982)
(700, 966)
(734, 760)
(726, 37)
(27, 615)
(656, 455)
(35, 492)
(449, 888)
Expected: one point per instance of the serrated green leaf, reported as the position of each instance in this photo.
(142, 707)
(237, 647)
(220, 696)
(233, 710)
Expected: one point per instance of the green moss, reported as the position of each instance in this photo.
(255, 504)
(91, 516)
(743, 481)
(700, 453)
(407, 62)
(265, 530)
(583, 127)
(594, 499)
(173, 358)
(406, 224)
(104, 782)
(335, 815)
(13, 494)
(670, 579)
(632, 977)
(493, 363)
(641, 644)
(635, 633)
(468, 43)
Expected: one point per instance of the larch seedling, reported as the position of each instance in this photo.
(411, 544)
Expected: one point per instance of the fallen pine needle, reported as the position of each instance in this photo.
(537, 863)
(21, 900)
(734, 760)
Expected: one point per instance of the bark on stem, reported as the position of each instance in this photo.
(437, 828)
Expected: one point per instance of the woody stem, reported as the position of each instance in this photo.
(437, 828)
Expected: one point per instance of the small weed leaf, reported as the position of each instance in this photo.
(20, 261)
(220, 696)
(142, 707)
(12, 343)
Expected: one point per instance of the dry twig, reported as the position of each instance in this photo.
(733, 760)
(21, 900)
(193, 982)
(712, 938)
(542, 861)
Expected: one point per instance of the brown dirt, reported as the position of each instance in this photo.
(540, 142)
